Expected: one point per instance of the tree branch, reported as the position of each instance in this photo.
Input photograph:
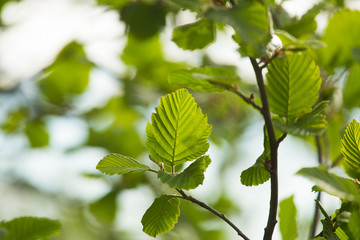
(207, 207)
(269, 229)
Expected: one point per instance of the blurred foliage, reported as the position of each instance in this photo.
(117, 125)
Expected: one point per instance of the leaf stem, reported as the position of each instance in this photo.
(269, 229)
(207, 207)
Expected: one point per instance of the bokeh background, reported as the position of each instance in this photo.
(80, 78)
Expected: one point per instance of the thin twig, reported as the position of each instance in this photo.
(269, 229)
(207, 207)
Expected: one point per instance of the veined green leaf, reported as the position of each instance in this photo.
(161, 216)
(207, 79)
(309, 124)
(287, 219)
(178, 131)
(251, 23)
(350, 145)
(190, 178)
(331, 183)
(289, 42)
(118, 164)
(257, 173)
(195, 35)
(352, 87)
(293, 83)
(30, 228)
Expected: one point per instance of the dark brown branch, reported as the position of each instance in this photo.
(269, 229)
(207, 207)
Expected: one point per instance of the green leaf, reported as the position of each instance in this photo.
(37, 134)
(350, 145)
(352, 87)
(195, 35)
(309, 124)
(68, 75)
(104, 209)
(161, 216)
(355, 51)
(257, 173)
(144, 19)
(207, 79)
(190, 178)
(338, 49)
(289, 42)
(331, 183)
(118, 164)
(287, 219)
(30, 228)
(354, 223)
(178, 131)
(251, 23)
(293, 83)
(189, 4)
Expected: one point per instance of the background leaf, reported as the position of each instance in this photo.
(178, 131)
(104, 209)
(332, 184)
(207, 79)
(30, 228)
(287, 219)
(190, 178)
(251, 23)
(118, 164)
(350, 145)
(161, 216)
(195, 35)
(293, 83)
(352, 87)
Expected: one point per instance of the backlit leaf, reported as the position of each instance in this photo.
(350, 145)
(207, 79)
(352, 87)
(30, 228)
(331, 183)
(104, 209)
(118, 164)
(161, 216)
(257, 173)
(190, 178)
(293, 83)
(287, 219)
(195, 35)
(178, 131)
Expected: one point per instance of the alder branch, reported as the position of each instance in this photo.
(269, 229)
(207, 207)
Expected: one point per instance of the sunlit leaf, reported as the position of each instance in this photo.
(195, 35)
(309, 124)
(190, 178)
(354, 223)
(251, 23)
(30, 228)
(178, 131)
(161, 216)
(37, 134)
(143, 18)
(350, 145)
(257, 173)
(331, 183)
(207, 79)
(118, 164)
(287, 219)
(289, 42)
(352, 87)
(104, 209)
(293, 83)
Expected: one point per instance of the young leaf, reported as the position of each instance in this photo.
(293, 83)
(309, 124)
(178, 131)
(115, 163)
(195, 35)
(30, 228)
(332, 184)
(256, 174)
(207, 79)
(287, 217)
(190, 178)
(161, 216)
(350, 145)
(251, 23)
